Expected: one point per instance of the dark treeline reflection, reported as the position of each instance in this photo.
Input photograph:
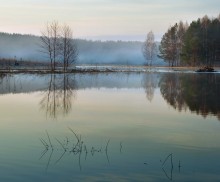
(57, 98)
(197, 92)
(9, 84)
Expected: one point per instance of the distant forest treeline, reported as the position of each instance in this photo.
(196, 44)
(202, 42)
(26, 47)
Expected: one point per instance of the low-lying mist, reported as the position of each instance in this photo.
(27, 47)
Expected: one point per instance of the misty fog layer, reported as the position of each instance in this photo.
(27, 47)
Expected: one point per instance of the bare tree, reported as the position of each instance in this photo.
(50, 42)
(55, 28)
(57, 42)
(46, 43)
(68, 48)
(149, 48)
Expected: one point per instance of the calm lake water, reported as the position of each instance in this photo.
(110, 127)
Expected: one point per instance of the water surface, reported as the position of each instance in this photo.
(110, 127)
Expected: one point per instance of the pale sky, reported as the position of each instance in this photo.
(103, 19)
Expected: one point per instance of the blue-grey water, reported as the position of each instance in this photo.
(110, 127)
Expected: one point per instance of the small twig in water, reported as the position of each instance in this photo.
(74, 134)
(106, 148)
(67, 140)
(48, 163)
(106, 151)
(179, 166)
(120, 147)
(171, 174)
(60, 157)
(171, 159)
(44, 143)
(43, 153)
(49, 140)
(61, 144)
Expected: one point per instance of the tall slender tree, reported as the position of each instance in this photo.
(181, 30)
(68, 48)
(204, 22)
(149, 48)
(55, 29)
(168, 47)
(50, 42)
(46, 43)
(192, 45)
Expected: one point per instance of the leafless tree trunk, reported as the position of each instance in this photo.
(57, 42)
(46, 46)
(55, 28)
(50, 42)
(68, 47)
(149, 48)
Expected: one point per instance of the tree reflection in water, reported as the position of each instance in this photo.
(57, 99)
(197, 92)
(150, 84)
(9, 84)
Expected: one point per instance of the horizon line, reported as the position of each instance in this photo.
(102, 38)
